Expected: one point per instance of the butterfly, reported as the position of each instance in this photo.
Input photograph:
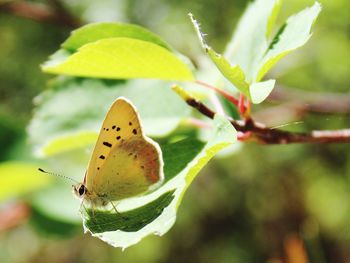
(124, 163)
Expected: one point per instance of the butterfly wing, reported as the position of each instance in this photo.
(124, 162)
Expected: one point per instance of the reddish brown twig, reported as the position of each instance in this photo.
(222, 92)
(265, 135)
(53, 14)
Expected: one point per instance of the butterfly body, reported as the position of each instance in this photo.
(124, 162)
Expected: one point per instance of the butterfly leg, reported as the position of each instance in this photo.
(93, 213)
(86, 211)
(82, 205)
(116, 210)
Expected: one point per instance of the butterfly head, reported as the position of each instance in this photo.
(79, 190)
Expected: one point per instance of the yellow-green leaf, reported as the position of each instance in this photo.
(272, 19)
(122, 58)
(232, 73)
(68, 142)
(17, 178)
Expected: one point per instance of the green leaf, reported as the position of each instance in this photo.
(97, 31)
(122, 58)
(49, 203)
(177, 155)
(249, 55)
(259, 91)
(155, 213)
(249, 42)
(48, 225)
(59, 57)
(68, 142)
(294, 34)
(272, 19)
(234, 73)
(57, 202)
(251, 50)
(69, 114)
(103, 221)
(18, 178)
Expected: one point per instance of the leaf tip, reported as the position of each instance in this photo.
(197, 28)
(259, 91)
(318, 5)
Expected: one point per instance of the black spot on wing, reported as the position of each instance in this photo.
(107, 144)
(102, 157)
(130, 123)
(118, 128)
(118, 137)
(134, 131)
(113, 127)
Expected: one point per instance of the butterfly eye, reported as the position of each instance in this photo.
(81, 190)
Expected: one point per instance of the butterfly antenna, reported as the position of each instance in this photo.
(286, 124)
(58, 175)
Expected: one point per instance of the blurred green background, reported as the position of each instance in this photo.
(257, 205)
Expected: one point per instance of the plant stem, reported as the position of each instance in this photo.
(220, 91)
(264, 135)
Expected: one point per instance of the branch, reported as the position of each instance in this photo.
(335, 103)
(265, 135)
(53, 14)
